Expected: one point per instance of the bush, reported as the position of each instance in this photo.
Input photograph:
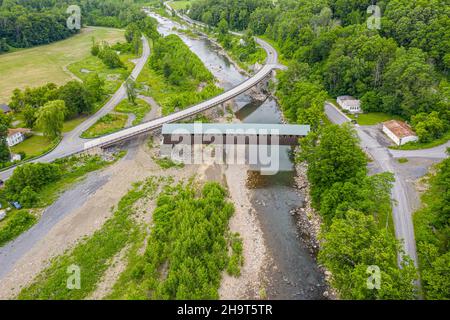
(32, 175)
(18, 223)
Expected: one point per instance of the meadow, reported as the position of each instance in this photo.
(39, 65)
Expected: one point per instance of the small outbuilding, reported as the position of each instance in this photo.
(399, 132)
(349, 103)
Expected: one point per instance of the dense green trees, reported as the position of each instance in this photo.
(50, 118)
(400, 69)
(432, 228)
(189, 238)
(29, 23)
(30, 177)
(236, 12)
(355, 243)
(357, 213)
(5, 122)
(79, 98)
(179, 65)
(337, 158)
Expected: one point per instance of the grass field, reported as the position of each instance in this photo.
(39, 65)
(34, 146)
(139, 110)
(105, 125)
(373, 118)
(180, 5)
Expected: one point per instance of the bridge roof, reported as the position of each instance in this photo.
(235, 128)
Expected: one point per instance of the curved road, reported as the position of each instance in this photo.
(402, 208)
(72, 143)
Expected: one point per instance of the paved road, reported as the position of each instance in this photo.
(71, 141)
(385, 159)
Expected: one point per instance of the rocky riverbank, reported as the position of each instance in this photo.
(309, 223)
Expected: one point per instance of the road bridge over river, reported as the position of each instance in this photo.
(74, 145)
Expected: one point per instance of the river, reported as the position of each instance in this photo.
(293, 273)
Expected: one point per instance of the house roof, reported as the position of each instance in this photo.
(399, 128)
(235, 128)
(4, 107)
(343, 98)
(12, 132)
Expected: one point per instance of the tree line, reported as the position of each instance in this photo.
(356, 210)
(401, 69)
(25, 24)
(432, 228)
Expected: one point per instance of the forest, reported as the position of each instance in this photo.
(25, 23)
(432, 228)
(356, 209)
(401, 69)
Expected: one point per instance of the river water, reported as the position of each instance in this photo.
(293, 273)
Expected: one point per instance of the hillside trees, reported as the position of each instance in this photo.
(356, 209)
(432, 229)
(354, 243)
(179, 65)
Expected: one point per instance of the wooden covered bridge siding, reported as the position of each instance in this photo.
(234, 134)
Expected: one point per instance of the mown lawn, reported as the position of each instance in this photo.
(40, 65)
(180, 5)
(373, 118)
(105, 125)
(34, 146)
(72, 124)
(140, 109)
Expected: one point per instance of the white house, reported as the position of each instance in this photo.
(399, 132)
(349, 103)
(16, 136)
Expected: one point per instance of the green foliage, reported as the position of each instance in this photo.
(353, 244)
(18, 222)
(235, 12)
(110, 57)
(93, 254)
(50, 118)
(105, 125)
(236, 260)
(179, 65)
(429, 126)
(187, 249)
(432, 230)
(176, 77)
(334, 156)
(140, 109)
(33, 175)
(5, 122)
(167, 163)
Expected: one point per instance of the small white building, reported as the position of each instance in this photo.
(16, 136)
(349, 103)
(399, 132)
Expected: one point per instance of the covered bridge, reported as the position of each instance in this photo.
(235, 133)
